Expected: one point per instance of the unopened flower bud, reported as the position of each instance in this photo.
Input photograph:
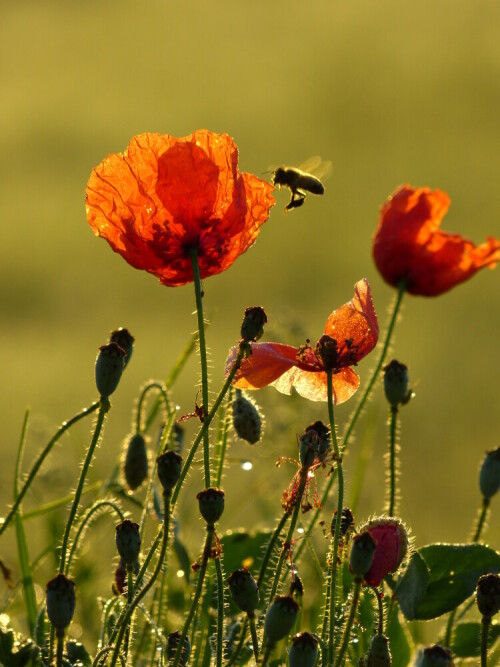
(488, 595)
(135, 464)
(244, 590)
(378, 654)
(362, 553)
(280, 618)
(323, 433)
(252, 327)
(211, 504)
(309, 444)
(247, 421)
(125, 340)
(128, 541)
(172, 644)
(489, 475)
(391, 546)
(169, 466)
(346, 522)
(109, 367)
(60, 601)
(177, 437)
(434, 656)
(303, 651)
(396, 384)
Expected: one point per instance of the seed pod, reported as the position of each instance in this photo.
(128, 541)
(169, 466)
(489, 475)
(60, 601)
(247, 421)
(211, 504)
(378, 654)
(280, 618)
(244, 590)
(135, 464)
(488, 595)
(303, 651)
(109, 367)
(396, 384)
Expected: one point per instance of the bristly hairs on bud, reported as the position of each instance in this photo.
(247, 419)
(135, 460)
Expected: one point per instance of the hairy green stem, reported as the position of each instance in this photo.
(255, 639)
(350, 621)
(392, 460)
(485, 626)
(220, 613)
(481, 519)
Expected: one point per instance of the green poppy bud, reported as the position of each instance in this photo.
(244, 590)
(280, 618)
(396, 384)
(211, 504)
(169, 466)
(252, 327)
(128, 541)
(109, 367)
(135, 464)
(362, 553)
(247, 421)
(489, 475)
(61, 601)
(488, 595)
(309, 444)
(378, 654)
(125, 340)
(303, 651)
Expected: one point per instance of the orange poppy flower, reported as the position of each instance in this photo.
(164, 197)
(409, 246)
(351, 332)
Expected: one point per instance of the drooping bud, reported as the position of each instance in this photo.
(434, 656)
(135, 464)
(128, 541)
(378, 654)
(109, 367)
(489, 475)
(252, 327)
(391, 546)
(125, 340)
(488, 595)
(211, 504)
(396, 384)
(280, 618)
(169, 466)
(323, 433)
(172, 644)
(244, 590)
(346, 522)
(61, 601)
(362, 553)
(247, 421)
(309, 446)
(303, 651)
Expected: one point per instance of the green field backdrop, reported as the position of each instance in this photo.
(390, 91)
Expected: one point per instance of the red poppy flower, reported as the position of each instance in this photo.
(409, 246)
(351, 332)
(164, 197)
(391, 547)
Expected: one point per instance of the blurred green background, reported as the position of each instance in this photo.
(389, 91)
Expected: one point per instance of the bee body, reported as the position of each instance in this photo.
(299, 183)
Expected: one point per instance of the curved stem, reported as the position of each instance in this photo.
(103, 410)
(392, 461)
(348, 627)
(481, 519)
(203, 358)
(41, 457)
(163, 396)
(199, 587)
(378, 597)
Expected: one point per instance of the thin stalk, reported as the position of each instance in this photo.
(199, 587)
(60, 648)
(241, 642)
(270, 547)
(360, 406)
(220, 613)
(103, 410)
(350, 621)
(481, 519)
(163, 396)
(222, 435)
(203, 358)
(255, 639)
(485, 626)
(392, 460)
(41, 457)
(336, 534)
(378, 597)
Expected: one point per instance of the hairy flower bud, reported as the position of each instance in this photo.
(109, 367)
(280, 618)
(434, 656)
(247, 421)
(244, 590)
(61, 601)
(488, 594)
(169, 466)
(396, 384)
(309, 446)
(128, 541)
(378, 654)
(489, 475)
(362, 553)
(391, 546)
(172, 644)
(323, 433)
(135, 463)
(303, 651)
(252, 327)
(211, 504)
(125, 340)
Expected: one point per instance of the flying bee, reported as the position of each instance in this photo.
(300, 181)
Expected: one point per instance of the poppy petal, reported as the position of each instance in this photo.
(313, 386)
(266, 364)
(356, 321)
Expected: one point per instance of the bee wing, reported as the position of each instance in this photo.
(316, 166)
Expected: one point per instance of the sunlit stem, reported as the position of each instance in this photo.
(481, 519)
(104, 407)
(163, 396)
(203, 358)
(485, 626)
(336, 533)
(220, 613)
(391, 507)
(32, 474)
(359, 408)
(255, 640)
(199, 587)
(378, 597)
(350, 621)
(125, 617)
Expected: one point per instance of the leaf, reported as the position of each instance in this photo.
(242, 549)
(453, 571)
(466, 642)
(398, 639)
(412, 586)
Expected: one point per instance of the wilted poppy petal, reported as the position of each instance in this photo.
(314, 385)
(408, 245)
(266, 364)
(164, 197)
(356, 321)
